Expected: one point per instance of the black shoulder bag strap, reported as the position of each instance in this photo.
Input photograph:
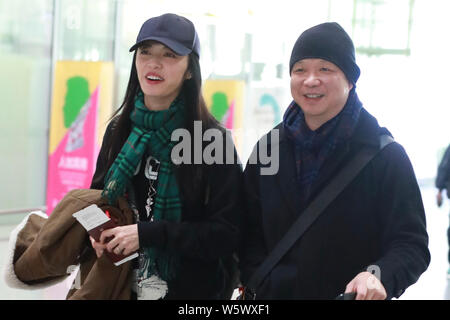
(313, 211)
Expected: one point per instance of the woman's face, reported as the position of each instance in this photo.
(161, 73)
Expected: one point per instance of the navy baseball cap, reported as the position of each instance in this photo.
(174, 31)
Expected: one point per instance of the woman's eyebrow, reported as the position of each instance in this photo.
(168, 49)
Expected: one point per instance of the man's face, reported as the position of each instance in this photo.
(320, 88)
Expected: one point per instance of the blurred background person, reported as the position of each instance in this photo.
(443, 183)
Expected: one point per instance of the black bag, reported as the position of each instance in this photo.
(246, 294)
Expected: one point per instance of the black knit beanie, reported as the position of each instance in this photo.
(330, 42)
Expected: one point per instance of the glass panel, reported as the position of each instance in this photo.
(382, 27)
(25, 64)
(86, 30)
(83, 78)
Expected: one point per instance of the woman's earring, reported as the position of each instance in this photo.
(188, 76)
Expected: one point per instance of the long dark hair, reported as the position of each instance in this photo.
(191, 177)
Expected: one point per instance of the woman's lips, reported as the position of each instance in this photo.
(153, 78)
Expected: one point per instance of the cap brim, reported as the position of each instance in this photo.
(174, 46)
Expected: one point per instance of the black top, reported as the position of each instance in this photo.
(141, 182)
(206, 236)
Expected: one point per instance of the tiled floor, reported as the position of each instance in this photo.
(433, 284)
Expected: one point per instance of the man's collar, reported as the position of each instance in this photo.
(367, 130)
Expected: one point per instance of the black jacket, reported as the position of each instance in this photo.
(377, 220)
(206, 237)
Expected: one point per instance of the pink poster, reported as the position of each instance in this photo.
(72, 164)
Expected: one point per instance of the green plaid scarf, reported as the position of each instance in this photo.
(151, 130)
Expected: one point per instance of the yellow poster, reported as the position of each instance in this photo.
(73, 81)
(225, 100)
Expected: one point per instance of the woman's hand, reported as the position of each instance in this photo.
(98, 247)
(125, 239)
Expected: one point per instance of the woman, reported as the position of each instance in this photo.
(186, 215)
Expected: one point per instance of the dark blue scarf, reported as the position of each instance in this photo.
(312, 148)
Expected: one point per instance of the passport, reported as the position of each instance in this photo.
(95, 221)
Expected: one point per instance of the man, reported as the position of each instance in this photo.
(376, 224)
(443, 182)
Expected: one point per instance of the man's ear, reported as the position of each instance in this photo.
(350, 84)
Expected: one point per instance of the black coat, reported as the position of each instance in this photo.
(377, 220)
(206, 237)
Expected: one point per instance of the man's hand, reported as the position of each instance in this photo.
(439, 198)
(125, 239)
(367, 287)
